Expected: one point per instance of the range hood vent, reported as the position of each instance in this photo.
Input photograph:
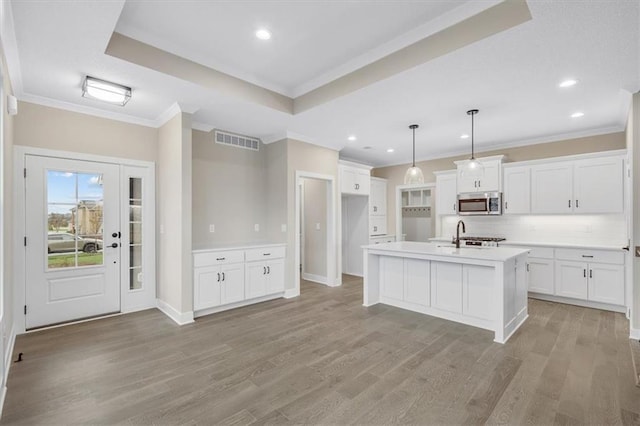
(238, 141)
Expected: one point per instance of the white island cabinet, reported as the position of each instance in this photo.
(482, 287)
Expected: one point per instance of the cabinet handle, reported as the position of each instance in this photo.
(479, 184)
(375, 228)
(266, 254)
(357, 186)
(375, 209)
(569, 203)
(264, 270)
(268, 269)
(577, 205)
(527, 267)
(454, 207)
(223, 276)
(588, 256)
(218, 276)
(506, 205)
(584, 273)
(590, 273)
(220, 258)
(475, 183)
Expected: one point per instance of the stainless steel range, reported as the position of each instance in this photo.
(482, 241)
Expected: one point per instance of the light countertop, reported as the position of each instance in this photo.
(496, 254)
(590, 246)
(237, 246)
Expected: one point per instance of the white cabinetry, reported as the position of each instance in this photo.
(354, 180)
(223, 279)
(446, 288)
(517, 190)
(477, 291)
(446, 192)
(405, 280)
(378, 197)
(491, 179)
(593, 185)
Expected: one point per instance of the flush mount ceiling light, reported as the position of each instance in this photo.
(105, 91)
(568, 83)
(263, 34)
(390, 150)
(577, 114)
(414, 174)
(351, 138)
(473, 168)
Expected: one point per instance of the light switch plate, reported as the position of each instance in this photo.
(317, 226)
(256, 227)
(212, 228)
(283, 227)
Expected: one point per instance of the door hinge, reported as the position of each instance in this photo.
(25, 241)
(25, 172)
(25, 309)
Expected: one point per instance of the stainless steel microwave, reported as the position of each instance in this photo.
(480, 203)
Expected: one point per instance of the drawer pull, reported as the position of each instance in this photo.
(266, 254)
(220, 258)
(587, 256)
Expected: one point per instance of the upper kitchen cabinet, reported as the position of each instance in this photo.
(355, 179)
(517, 189)
(378, 197)
(590, 185)
(446, 192)
(490, 181)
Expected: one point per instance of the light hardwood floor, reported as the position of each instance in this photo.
(324, 359)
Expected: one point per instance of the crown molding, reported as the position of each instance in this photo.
(203, 127)
(10, 47)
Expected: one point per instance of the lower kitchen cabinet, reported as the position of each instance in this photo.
(541, 277)
(606, 283)
(446, 286)
(571, 279)
(235, 277)
(477, 291)
(406, 280)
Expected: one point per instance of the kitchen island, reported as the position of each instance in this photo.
(485, 287)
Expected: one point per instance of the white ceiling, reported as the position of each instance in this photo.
(511, 77)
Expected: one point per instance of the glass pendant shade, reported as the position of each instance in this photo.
(414, 174)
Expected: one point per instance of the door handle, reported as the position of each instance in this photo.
(116, 235)
(114, 245)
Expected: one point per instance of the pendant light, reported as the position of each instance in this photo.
(473, 168)
(414, 174)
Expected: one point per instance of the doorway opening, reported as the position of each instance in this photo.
(315, 248)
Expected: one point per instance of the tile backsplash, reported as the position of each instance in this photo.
(576, 229)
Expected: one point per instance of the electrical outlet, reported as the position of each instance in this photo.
(317, 226)
(162, 229)
(212, 228)
(256, 227)
(283, 227)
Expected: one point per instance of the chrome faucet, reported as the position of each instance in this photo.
(457, 240)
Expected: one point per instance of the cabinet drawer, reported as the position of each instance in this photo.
(218, 258)
(378, 225)
(264, 253)
(601, 256)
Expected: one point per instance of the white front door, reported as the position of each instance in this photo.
(72, 240)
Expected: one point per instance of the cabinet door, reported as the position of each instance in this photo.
(363, 182)
(599, 185)
(392, 275)
(490, 180)
(378, 225)
(571, 279)
(378, 198)
(347, 180)
(446, 194)
(541, 277)
(606, 283)
(477, 291)
(517, 190)
(466, 183)
(446, 286)
(275, 276)
(232, 288)
(255, 280)
(206, 289)
(417, 282)
(552, 188)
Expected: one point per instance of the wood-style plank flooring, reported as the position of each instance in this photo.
(322, 358)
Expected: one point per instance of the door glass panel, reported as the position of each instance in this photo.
(135, 233)
(74, 219)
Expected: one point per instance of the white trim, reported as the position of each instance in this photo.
(598, 154)
(216, 309)
(291, 293)
(315, 278)
(292, 135)
(180, 318)
(634, 333)
(331, 227)
(168, 114)
(355, 164)
(577, 302)
(10, 46)
(21, 150)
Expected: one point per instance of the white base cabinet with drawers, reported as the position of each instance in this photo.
(228, 278)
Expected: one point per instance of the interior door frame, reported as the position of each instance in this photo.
(331, 227)
(19, 211)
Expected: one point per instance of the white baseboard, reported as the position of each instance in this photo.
(634, 333)
(315, 278)
(230, 306)
(7, 365)
(290, 293)
(180, 318)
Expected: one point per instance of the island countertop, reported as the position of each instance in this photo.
(496, 254)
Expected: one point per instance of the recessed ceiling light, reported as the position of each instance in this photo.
(465, 136)
(577, 114)
(391, 150)
(568, 83)
(352, 138)
(263, 34)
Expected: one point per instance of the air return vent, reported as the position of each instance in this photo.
(238, 141)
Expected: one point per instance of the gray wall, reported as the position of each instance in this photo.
(315, 213)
